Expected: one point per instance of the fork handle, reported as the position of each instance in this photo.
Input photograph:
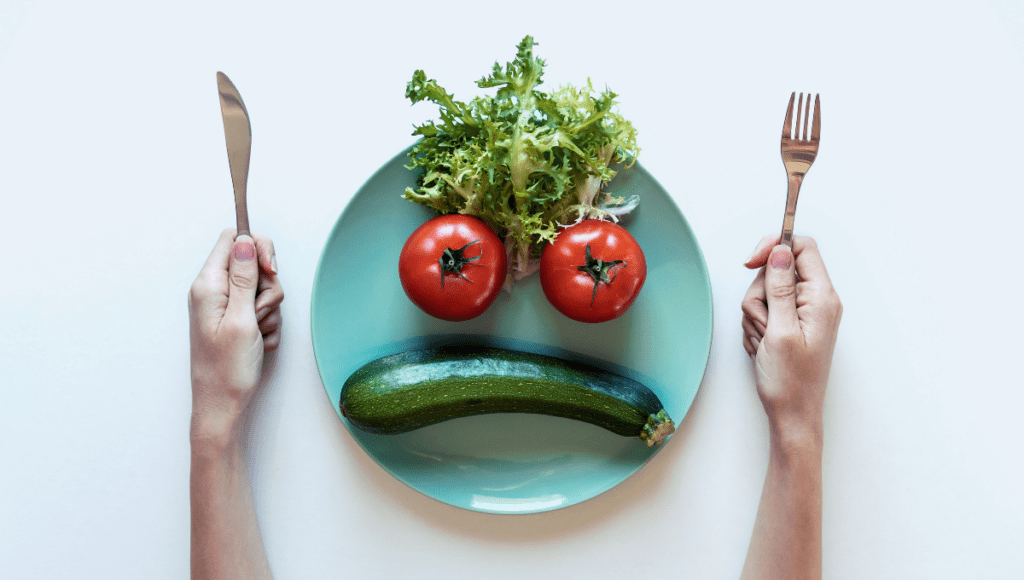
(787, 220)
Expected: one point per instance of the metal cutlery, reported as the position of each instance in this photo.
(238, 134)
(798, 152)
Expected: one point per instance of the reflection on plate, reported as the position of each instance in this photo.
(511, 463)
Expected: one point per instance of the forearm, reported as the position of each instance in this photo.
(226, 541)
(786, 541)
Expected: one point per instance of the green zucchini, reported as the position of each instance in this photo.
(413, 389)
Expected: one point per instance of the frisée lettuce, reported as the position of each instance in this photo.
(525, 162)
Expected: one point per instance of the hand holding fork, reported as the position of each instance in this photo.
(791, 315)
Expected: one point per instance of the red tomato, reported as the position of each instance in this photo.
(453, 267)
(593, 271)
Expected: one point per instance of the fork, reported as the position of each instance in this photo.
(798, 153)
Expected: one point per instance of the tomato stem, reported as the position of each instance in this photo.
(599, 269)
(453, 261)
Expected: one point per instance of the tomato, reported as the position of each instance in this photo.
(453, 267)
(593, 271)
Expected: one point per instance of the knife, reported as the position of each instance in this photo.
(238, 134)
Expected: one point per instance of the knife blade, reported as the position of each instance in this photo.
(238, 135)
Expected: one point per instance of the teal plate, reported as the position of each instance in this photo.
(511, 463)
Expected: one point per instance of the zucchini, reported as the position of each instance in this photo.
(413, 389)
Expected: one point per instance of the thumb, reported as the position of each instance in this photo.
(780, 291)
(243, 277)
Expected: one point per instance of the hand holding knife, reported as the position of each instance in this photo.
(238, 289)
(268, 294)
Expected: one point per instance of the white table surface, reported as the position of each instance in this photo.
(115, 185)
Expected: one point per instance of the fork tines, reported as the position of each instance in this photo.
(804, 114)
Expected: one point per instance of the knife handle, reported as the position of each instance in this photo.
(241, 214)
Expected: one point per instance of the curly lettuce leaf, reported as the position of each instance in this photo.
(525, 162)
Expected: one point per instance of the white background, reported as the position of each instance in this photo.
(114, 186)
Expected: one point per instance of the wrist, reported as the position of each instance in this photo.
(218, 409)
(214, 431)
(803, 438)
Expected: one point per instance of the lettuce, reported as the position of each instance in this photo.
(525, 162)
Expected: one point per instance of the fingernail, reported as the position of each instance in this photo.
(244, 251)
(273, 263)
(781, 259)
(751, 256)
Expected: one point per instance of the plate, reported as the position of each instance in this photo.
(511, 463)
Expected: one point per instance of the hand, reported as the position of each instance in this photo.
(235, 317)
(791, 317)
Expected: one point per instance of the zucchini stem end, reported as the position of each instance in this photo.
(658, 427)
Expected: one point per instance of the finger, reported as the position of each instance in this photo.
(759, 257)
(270, 295)
(780, 291)
(208, 296)
(755, 303)
(266, 253)
(751, 344)
(272, 341)
(263, 310)
(750, 329)
(809, 264)
(759, 326)
(243, 278)
(218, 260)
(757, 314)
(748, 347)
(270, 323)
